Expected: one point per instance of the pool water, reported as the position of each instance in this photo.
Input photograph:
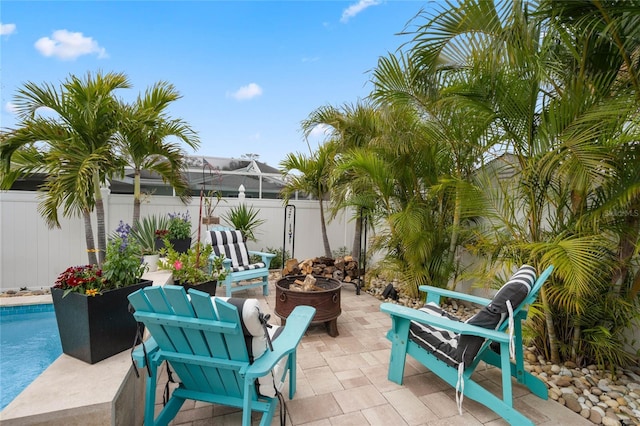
(29, 343)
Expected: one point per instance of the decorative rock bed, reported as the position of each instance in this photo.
(595, 394)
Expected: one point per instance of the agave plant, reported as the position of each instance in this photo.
(244, 219)
(144, 232)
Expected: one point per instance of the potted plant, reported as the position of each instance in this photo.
(211, 201)
(244, 219)
(144, 234)
(91, 303)
(195, 268)
(177, 232)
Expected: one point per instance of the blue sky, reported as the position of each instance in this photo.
(248, 71)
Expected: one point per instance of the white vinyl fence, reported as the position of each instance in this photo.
(32, 255)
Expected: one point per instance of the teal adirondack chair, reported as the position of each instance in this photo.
(205, 345)
(460, 376)
(229, 244)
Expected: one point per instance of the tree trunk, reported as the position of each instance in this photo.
(88, 235)
(102, 238)
(357, 236)
(325, 238)
(455, 226)
(626, 248)
(551, 332)
(136, 198)
(577, 335)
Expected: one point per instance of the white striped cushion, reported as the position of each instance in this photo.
(230, 245)
(453, 348)
(515, 290)
(442, 343)
(257, 345)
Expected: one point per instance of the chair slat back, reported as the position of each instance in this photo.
(190, 325)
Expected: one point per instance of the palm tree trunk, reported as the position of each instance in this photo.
(136, 198)
(577, 335)
(455, 226)
(551, 332)
(357, 237)
(88, 235)
(102, 239)
(325, 238)
(626, 249)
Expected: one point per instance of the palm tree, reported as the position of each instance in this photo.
(350, 127)
(559, 118)
(400, 80)
(398, 176)
(68, 133)
(144, 140)
(313, 179)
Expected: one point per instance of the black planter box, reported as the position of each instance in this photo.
(93, 328)
(180, 245)
(208, 287)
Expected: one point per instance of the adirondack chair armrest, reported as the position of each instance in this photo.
(226, 264)
(138, 356)
(266, 257)
(434, 294)
(402, 312)
(297, 323)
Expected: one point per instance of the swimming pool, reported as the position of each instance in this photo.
(29, 343)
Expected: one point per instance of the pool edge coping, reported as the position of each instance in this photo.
(43, 299)
(27, 409)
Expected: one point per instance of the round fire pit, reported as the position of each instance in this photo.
(326, 302)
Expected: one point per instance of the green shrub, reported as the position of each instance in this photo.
(276, 262)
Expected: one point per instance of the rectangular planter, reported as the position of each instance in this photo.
(207, 287)
(93, 328)
(211, 220)
(180, 245)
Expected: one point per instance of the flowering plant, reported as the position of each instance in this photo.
(195, 266)
(122, 267)
(179, 226)
(85, 279)
(123, 262)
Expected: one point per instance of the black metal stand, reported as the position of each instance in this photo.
(289, 231)
(362, 261)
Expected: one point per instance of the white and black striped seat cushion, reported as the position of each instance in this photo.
(442, 343)
(256, 342)
(453, 348)
(229, 243)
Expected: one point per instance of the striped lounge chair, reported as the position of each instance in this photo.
(230, 244)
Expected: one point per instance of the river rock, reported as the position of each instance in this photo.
(595, 416)
(571, 402)
(610, 421)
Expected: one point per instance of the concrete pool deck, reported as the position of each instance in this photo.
(71, 392)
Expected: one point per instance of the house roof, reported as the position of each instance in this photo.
(216, 174)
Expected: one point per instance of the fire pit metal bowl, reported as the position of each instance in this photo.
(326, 302)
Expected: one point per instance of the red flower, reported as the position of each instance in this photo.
(177, 265)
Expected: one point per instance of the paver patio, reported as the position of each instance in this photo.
(343, 381)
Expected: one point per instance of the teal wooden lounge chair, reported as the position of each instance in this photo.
(212, 344)
(453, 349)
(230, 245)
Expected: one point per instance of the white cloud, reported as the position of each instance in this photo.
(247, 92)
(10, 107)
(6, 29)
(66, 45)
(310, 59)
(356, 8)
(320, 131)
